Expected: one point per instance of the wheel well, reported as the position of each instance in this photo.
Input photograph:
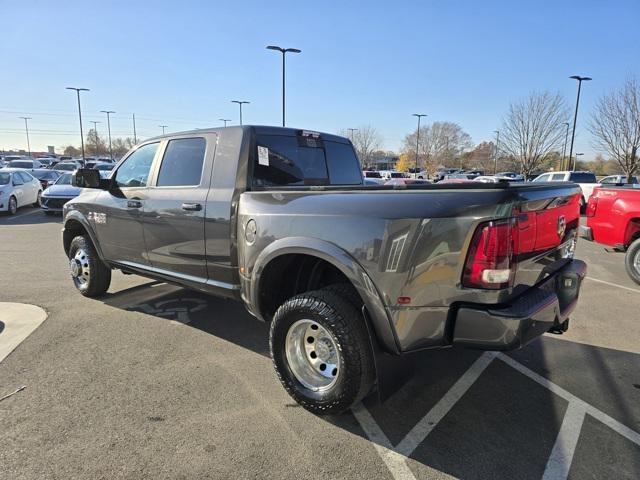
(291, 274)
(72, 229)
(633, 230)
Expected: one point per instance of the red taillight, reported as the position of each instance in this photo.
(592, 206)
(491, 258)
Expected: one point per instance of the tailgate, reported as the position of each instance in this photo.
(547, 227)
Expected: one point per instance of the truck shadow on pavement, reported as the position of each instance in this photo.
(503, 425)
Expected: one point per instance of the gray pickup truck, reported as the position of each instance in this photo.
(344, 273)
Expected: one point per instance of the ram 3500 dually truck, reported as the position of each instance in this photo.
(344, 273)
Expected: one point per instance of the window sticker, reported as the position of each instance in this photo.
(263, 156)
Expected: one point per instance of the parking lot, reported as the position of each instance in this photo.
(154, 381)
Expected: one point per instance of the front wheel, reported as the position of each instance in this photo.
(321, 352)
(632, 261)
(12, 207)
(38, 202)
(90, 275)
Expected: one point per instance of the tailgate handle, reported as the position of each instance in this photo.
(196, 207)
(134, 204)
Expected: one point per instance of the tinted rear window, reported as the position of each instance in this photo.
(372, 174)
(582, 177)
(289, 161)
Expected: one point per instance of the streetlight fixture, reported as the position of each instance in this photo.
(564, 149)
(351, 130)
(78, 90)
(284, 51)
(495, 154)
(575, 160)
(109, 112)
(26, 127)
(163, 127)
(135, 140)
(95, 131)
(225, 120)
(575, 115)
(419, 115)
(240, 102)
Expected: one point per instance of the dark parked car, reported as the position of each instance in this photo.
(344, 273)
(46, 177)
(54, 197)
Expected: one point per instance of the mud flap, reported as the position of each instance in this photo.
(392, 371)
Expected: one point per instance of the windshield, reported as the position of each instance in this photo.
(4, 178)
(66, 167)
(20, 164)
(64, 179)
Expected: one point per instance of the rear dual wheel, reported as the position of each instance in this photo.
(632, 261)
(321, 352)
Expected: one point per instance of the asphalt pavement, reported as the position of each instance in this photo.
(155, 381)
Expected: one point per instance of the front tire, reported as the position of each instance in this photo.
(38, 202)
(632, 261)
(12, 207)
(90, 275)
(321, 351)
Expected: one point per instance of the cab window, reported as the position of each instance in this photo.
(542, 178)
(134, 171)
(182, 163)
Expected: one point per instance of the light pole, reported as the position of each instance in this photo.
(564, 149)
(575, 115)
(26, 127)
(419, 115)
(95, 132)
(351, 130)
(225, 120)
(575, 160)
(495, 154)
(78, 90)
(109, 112)
(240, 102)
(284, 52)
(163, 127)
(135, 140)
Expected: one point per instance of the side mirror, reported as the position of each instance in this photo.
(88, 178)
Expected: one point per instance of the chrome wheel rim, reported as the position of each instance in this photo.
(313, 355)
(636, 261)
(80, 269)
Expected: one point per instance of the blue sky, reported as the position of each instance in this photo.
(180, 63)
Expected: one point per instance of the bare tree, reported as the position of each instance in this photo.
(366, 140)
(533, 128)
(441, 143)
(615, 125)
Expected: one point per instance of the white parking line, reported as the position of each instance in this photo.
(23, 215)
(424, 427)
(19, 321)
(559, 462)
(613, 284)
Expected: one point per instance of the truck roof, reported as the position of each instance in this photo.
(259, 129)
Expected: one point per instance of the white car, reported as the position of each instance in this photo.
(586, 181)
(613, 179)
(17, 189)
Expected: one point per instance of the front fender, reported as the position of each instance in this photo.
(75, 215)
(342, 261)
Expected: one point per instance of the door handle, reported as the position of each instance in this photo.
(196, 207)
(134, 204)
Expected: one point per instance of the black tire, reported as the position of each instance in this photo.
(12, 206)
(348, 292)
(97, 281)
(340, 318)
(632, 261)
(38, 202)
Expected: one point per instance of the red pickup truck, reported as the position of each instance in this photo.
(613, 218)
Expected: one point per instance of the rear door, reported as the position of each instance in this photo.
(174, 210)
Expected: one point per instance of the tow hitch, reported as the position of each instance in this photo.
(560, 328)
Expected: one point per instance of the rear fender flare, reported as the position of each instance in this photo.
(344, 262)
